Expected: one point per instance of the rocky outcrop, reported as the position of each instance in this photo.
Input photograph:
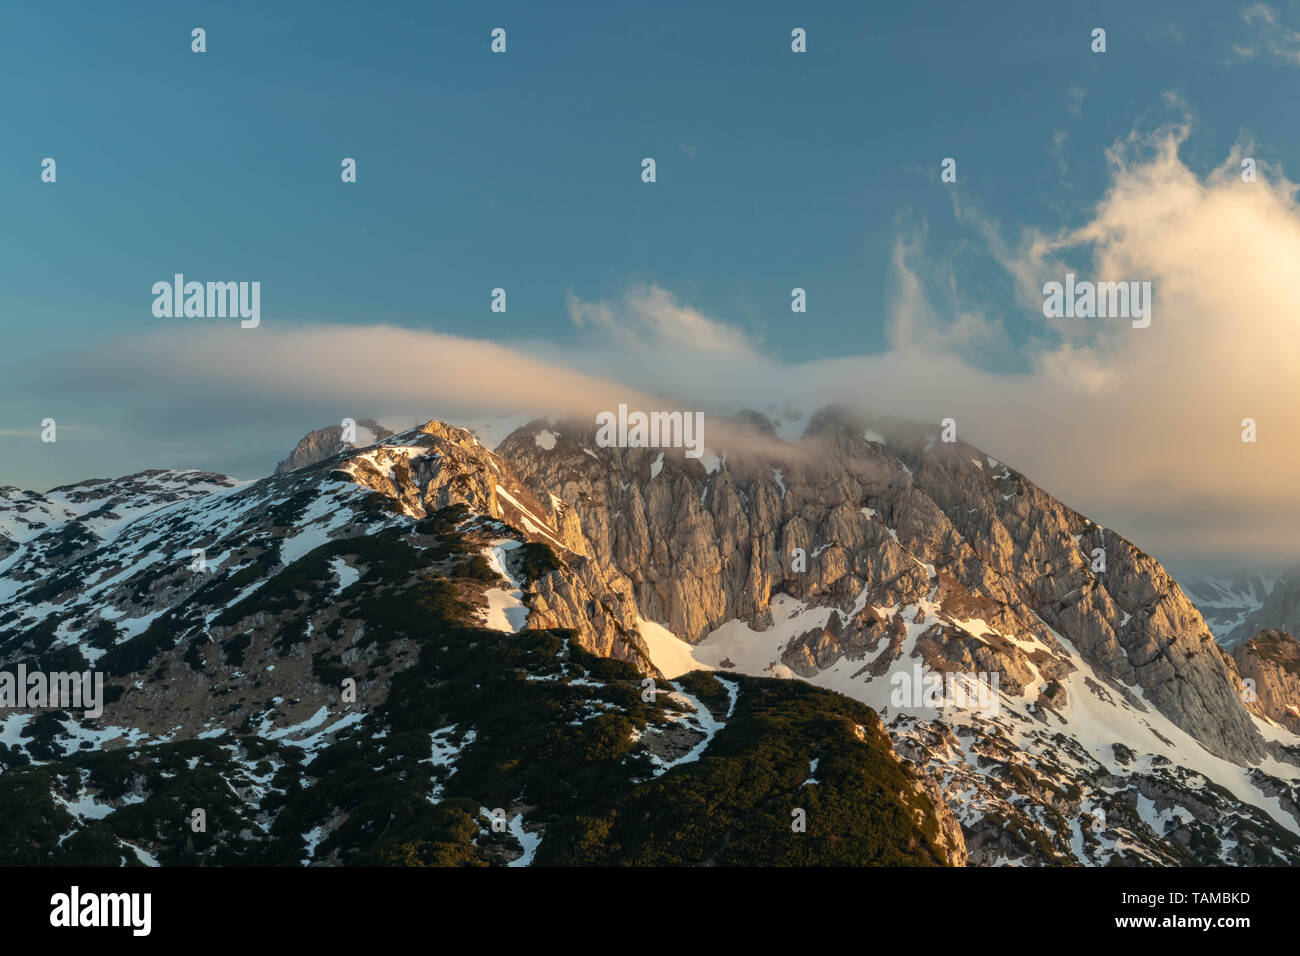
(325, 443)
(950, 838)
(438, 466)
(1271, 662)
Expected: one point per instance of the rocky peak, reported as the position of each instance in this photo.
(1271, 660)
(869, 516)
(323, 443)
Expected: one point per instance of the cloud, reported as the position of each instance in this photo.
(1074, 98)
(1056, 149)
(366, 368)
(1154, 415)
(648, 318)
(1139, 428)
(917, 325)
(1271, 36)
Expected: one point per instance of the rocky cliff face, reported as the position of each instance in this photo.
(891, 521)
(1271, 659)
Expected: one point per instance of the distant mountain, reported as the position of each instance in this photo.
(600, 643)
(1279, 611)
(1258, 616)
(1227, 601)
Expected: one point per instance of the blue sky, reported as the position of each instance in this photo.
(522, 170)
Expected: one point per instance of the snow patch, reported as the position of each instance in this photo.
(668, 652)
(506, 610)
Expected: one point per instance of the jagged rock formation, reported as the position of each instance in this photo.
(1272, 660)
(445, 466)
(892, 520)
(325, 443)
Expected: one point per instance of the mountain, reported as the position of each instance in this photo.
(376, 658)
(1256, 616)
(327, 442)
(500, 613)
(1228, 601)
(1280, 610)
(1115, 697)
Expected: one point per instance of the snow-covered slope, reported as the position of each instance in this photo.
(1119, 757)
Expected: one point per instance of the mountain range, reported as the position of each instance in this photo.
(412, 649)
